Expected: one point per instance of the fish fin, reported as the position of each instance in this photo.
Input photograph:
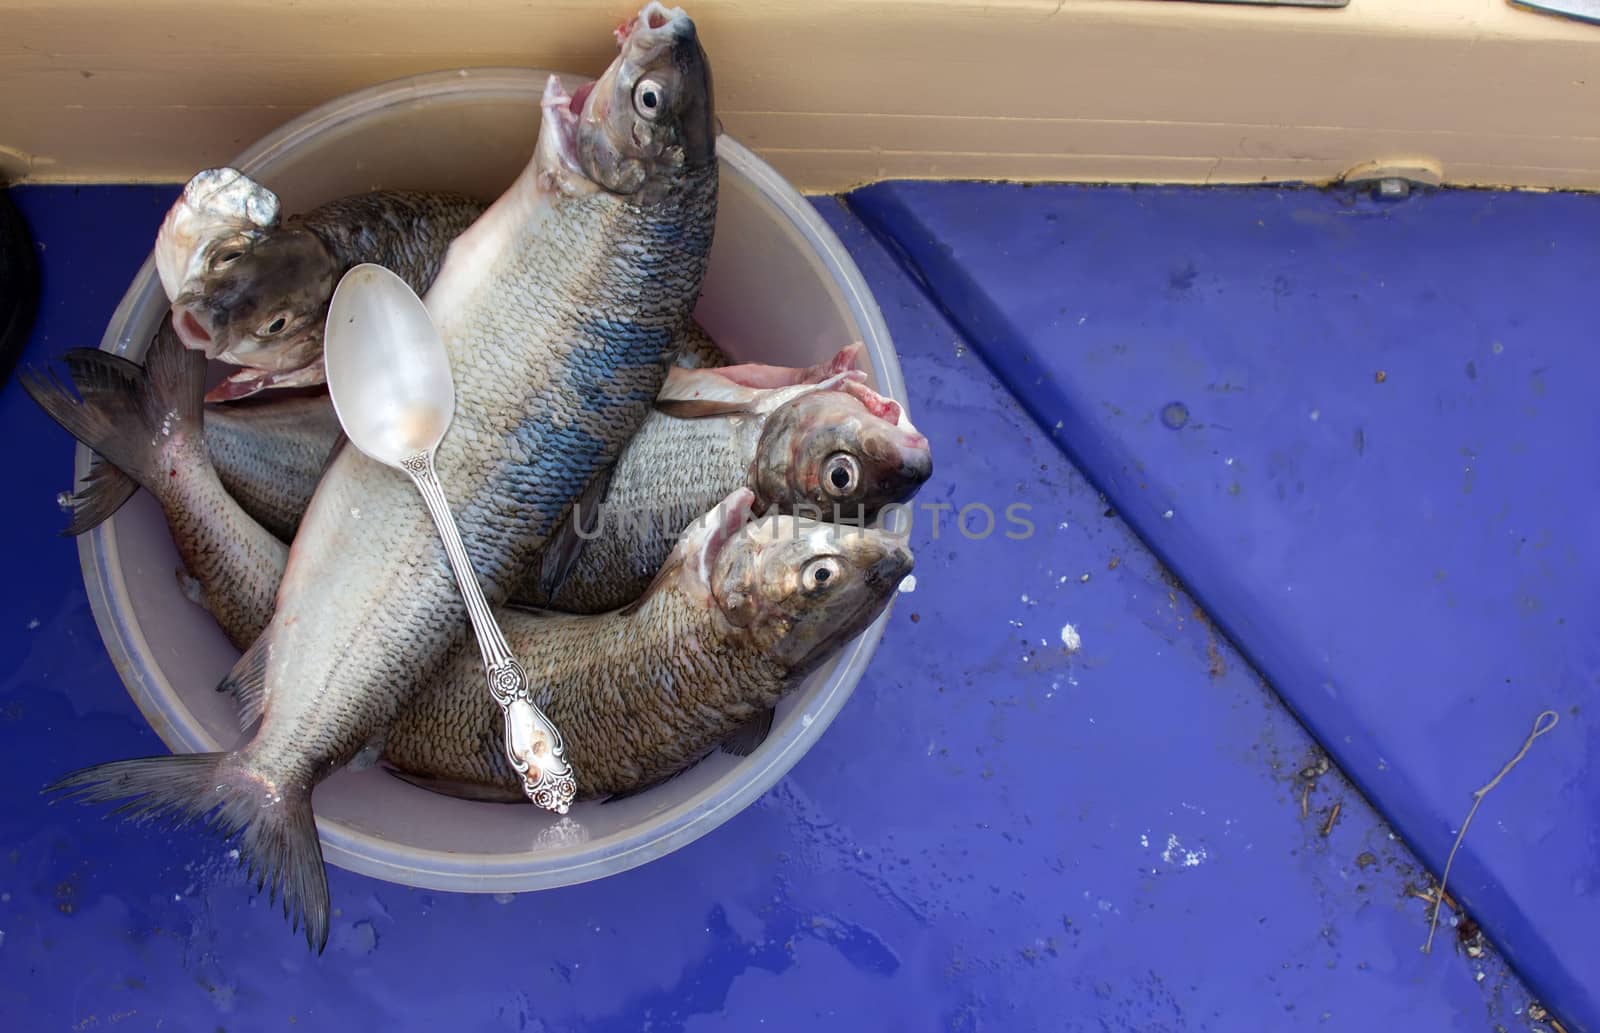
(749, 735)
(699, 409)
(278, 834)
(93, 387)
(101, 493)
(751, 388)
(763, 377)
(460, 788)
(561, 552)
(176, 377)
(121, 410)
(112, 427)
(697, 393)
(247, 682)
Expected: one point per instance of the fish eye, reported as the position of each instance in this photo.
(649, 99)
(819, 574)
(840, 474)
(275, 327)
(227, 255)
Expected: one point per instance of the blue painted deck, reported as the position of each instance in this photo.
(1366, 435)
(996, 834)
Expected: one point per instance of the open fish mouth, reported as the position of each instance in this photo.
(193, 331)
(580, 97)
(654, 16)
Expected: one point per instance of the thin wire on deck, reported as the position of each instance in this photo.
(1540, 726)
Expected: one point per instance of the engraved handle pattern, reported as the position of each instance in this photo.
(534, 746)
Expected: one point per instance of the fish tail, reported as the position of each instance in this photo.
(101, 493)
(277, 832)
(126, 413)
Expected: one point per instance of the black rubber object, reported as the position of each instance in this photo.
(19, 286)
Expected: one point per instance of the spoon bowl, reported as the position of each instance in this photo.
(388, 371)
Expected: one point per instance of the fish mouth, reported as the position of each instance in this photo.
(892, 567)
(193, 331)
(580, 98)
(653, 17)
(587, 145)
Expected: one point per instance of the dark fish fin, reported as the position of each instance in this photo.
(749, 735)
(247, 682)
(122, 410)
(108, 419)
(93, 387)
(461, 789)
(104, 488)
(561, 552)
(278, 835)
(101, 493)
(175, 376)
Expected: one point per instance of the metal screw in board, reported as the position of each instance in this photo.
(1392, 188)
(1393, 179)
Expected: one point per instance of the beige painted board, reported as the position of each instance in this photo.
(839, 93)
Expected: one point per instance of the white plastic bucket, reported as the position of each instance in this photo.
(781, 289)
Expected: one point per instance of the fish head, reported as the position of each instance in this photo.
(648, 119)
(844, 450)
(796, 588)
(215, 203)
(258, 299)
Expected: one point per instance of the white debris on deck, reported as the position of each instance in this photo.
(1175, 853)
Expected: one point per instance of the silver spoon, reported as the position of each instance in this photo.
(389, 376)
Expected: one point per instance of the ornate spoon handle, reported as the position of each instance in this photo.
(533, 744)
